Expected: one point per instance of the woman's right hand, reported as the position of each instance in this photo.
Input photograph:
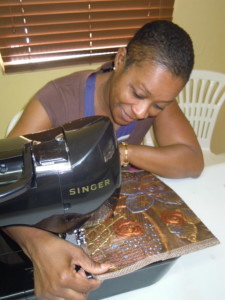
(54, 262)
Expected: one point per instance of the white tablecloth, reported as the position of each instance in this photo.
(199, 275)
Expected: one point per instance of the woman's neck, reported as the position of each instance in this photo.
(102, 99)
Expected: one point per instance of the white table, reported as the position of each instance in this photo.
(199, 275)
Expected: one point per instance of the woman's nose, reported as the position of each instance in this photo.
(141, 110)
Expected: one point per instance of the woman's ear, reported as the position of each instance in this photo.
(120, 58)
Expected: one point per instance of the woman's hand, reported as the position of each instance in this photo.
(54, 261)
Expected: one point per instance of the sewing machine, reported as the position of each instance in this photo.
(50, 177)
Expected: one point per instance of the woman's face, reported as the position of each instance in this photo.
(141, 91)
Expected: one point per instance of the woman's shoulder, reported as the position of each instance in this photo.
(81, 76)
(73, 78)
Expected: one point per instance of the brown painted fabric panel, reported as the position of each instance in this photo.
(150, 223)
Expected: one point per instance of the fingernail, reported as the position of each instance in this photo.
(106, 265)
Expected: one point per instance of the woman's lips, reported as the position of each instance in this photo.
(126, 117)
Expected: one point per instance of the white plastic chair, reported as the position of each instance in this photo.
(13, 122)
(201, 100)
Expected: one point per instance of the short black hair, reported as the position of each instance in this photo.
(164, 43)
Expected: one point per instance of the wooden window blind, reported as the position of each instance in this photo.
(38, 34)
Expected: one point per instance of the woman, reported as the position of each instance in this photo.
(138, 90)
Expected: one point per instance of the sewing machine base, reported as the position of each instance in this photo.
(17, 282)
(136, 280)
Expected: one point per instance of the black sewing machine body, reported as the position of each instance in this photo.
(73, 168)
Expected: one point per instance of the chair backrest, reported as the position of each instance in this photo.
(13, 122)
(201, 100)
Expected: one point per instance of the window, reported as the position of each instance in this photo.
(38, 34)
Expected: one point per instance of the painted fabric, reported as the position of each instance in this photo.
(150, 223)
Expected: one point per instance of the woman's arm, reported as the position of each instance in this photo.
(178, 153)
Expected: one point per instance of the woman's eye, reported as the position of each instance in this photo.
(158, 107)
(138, 96)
